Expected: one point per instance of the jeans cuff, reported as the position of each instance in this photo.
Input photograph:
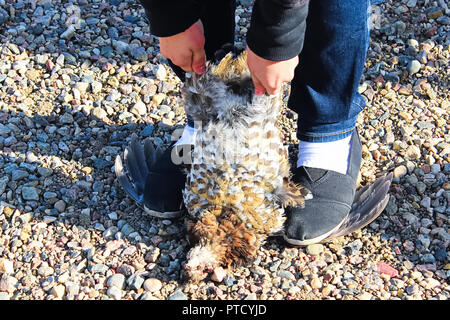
(324, 137)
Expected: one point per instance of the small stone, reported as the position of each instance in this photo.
(444, 20)
(135, 281)
(434, 13)
(72, 289)
(426, 202)
(386, 269)
(18, 175)
(160, 72)
(218, 274)
(68, 34)
(314, 249)
(60, 205)
(30, 193)
(428, 258)
(286, 274)
(116, 280)
(58, 291)
(82, 86)
(44, 171)
(405, 115)
(152, 285)
(99, 268)
(400, 171)
(149, 89)
(114, 292)
(126, 229)
(126, 88)
(177, 295)
(411, 3)
(251, 296)
(8, 283)
(99, 113)
(413, 152)
(96, 86)
(49, 219)
(45, 271)
(3, 183)
(139, 53)
(158, 98)
(66, 118)
(3, 295)
(414, 66)
(148, 130)
(152, 255)
(139, 108)
(316, 283)
(6, 266)
(364, 296)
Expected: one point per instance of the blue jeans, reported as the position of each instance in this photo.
(324, 89)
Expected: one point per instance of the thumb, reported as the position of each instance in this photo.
(259, 88)
(199, 61)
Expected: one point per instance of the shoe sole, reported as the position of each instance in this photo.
(165, 215)
(318, 239)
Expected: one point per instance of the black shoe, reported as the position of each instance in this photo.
(152, 179)
(333, 195)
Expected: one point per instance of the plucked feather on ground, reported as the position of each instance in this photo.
(238, 179)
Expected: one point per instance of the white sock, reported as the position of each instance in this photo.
(188, 136)
(325, 155)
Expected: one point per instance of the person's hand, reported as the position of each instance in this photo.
(186, 49)
(268, 75)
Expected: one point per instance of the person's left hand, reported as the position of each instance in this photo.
(268, 75)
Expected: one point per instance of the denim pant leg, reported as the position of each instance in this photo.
(324, 89)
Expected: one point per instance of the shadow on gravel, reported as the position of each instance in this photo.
(60, 168)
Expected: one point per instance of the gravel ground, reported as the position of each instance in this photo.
(77, 78)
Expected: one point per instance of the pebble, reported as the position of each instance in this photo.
(316, 283)
(30, 193)
(6, 266)
(386, 269)
(116, 280)
(135, 281)
(4, 295)
(68, 33)
(58, 291)
(364, 296)
(60, 205)
(139, 53)
(139, 108)
(45, 271)
(218, 274)
(400, 172)
(413, 152)
(160, 72)
(177, 295)
(314, 249)
(152, 285)
(8, 283)
(114, 292)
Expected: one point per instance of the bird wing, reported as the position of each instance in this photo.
(368, 204)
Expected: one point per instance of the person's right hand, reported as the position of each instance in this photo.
(186, 49)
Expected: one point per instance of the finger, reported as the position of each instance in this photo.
(184, 61)
(259, 88)
(199, 61)
(273, 88)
